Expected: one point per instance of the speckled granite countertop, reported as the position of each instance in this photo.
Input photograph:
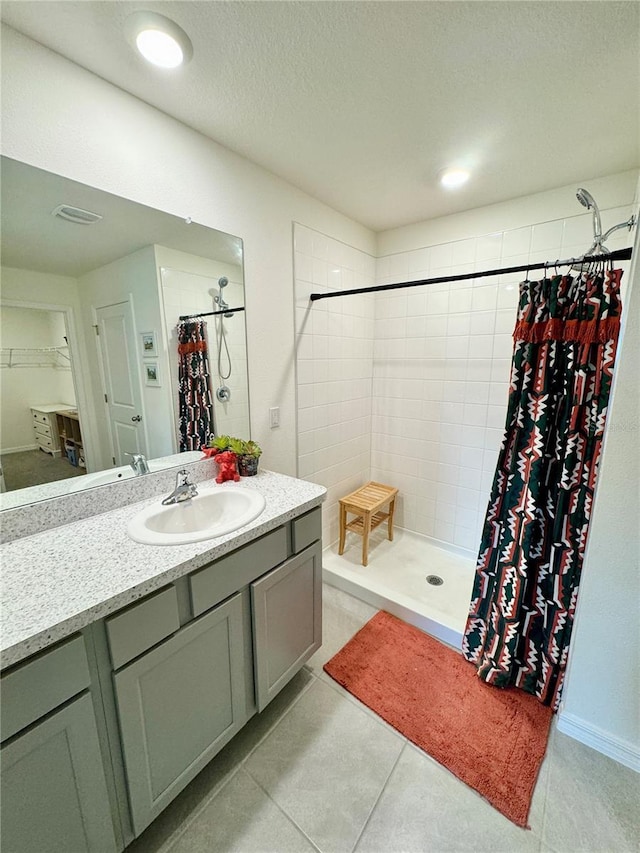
(56, 582)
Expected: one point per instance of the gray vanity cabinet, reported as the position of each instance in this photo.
(54, 794)
(286, 607)
(179, 704)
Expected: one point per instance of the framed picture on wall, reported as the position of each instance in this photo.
(149, 344)
(152, 373)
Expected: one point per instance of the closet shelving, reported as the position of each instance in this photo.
(57, 357)
(68, 424)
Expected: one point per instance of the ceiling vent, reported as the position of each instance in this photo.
(76, 214)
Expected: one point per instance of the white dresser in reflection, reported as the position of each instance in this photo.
(45, 426)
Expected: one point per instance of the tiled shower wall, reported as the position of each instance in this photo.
(334, 362)
(441, 370)
(411, 388)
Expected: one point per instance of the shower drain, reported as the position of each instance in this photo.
(435, 580)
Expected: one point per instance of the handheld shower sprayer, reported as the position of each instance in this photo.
(587, 200)
(223, 281)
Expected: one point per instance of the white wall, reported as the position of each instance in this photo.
(87, 130)
(47, 380)
(334, 353)
(131, 279)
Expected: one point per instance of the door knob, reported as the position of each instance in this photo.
(136, 418)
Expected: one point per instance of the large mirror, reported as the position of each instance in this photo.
(93, 289)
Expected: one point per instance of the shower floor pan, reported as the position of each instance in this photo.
(396, 581)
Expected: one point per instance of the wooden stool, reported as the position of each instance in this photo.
(366, 503)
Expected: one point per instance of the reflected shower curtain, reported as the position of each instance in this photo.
(534, 537)
(195, 402)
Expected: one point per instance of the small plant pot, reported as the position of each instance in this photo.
(247, 466)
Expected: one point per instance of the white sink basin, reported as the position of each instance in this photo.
(213, 512)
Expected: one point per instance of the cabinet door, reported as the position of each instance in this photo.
(54, 794)
(178, 705)
(287, 621)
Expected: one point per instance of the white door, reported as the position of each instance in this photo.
(122, 382)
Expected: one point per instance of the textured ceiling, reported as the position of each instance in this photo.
(362, 104)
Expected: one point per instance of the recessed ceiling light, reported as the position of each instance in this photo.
(161, 41)
(453, 178)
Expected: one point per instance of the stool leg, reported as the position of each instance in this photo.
(392, 507)
(366, 523)
(343, 528)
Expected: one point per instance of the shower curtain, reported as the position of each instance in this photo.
(534, 537)
(195, 402)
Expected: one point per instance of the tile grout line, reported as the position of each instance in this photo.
(378, 798)
(281, 809)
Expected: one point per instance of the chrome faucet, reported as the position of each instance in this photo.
(183, 491)
(138, 463)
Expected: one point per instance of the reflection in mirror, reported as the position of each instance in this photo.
(93, 289)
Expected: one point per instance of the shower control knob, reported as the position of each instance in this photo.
(223, 393)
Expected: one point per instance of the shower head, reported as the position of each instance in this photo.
(587, 200)
(223, 282)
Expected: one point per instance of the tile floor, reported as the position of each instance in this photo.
(318, 771)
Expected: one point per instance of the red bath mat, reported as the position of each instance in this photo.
(493, 740)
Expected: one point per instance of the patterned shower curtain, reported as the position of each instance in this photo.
(533, 542)
(195, 402)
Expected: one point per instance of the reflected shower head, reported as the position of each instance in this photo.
(217, 297)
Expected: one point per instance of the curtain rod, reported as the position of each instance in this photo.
(210, 313)
(617, 255)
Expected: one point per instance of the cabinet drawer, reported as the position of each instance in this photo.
(44, 441)
(221, 579)
(306, 529)
(42, 429)
(40, 417)
(141, 626)
(33, 689)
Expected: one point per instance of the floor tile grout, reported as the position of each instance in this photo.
(377, 800)
(281, 809)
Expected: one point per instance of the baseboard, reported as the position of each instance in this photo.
(18, 449)
(620, 750)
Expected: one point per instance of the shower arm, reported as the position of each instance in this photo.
(598, 247)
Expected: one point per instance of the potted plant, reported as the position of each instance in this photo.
(248, 453)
